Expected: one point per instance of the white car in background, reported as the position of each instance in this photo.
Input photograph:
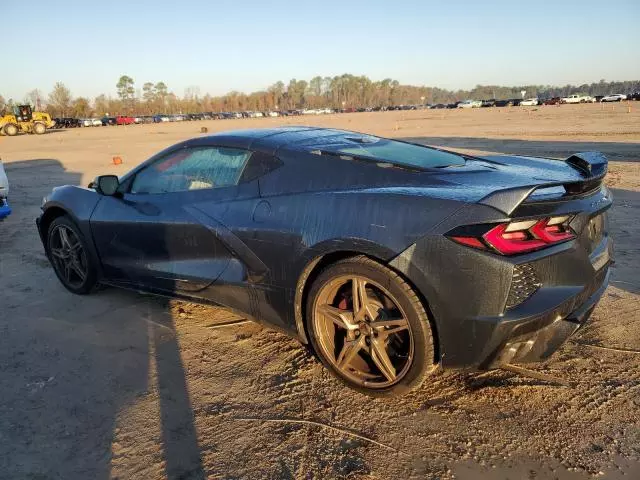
(5, 210)
(614, 97)
(530, 102)
(86, 122)
(470, 104)
(96, 122)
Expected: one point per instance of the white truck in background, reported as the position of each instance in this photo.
(577, 98)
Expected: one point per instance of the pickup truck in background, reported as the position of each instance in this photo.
(576, 98)
(5, 211)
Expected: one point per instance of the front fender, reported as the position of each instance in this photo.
(76, 202)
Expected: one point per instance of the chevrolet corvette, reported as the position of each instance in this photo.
(387, 258)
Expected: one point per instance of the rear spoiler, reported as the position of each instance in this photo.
(592, 166)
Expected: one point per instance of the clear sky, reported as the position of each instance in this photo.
(246, 45)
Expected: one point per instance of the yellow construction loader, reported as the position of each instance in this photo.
(24, 119)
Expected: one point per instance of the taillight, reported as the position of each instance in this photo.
(519, 236)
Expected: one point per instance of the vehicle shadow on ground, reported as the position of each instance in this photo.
(73, 368)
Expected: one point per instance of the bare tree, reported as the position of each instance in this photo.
(81, 107)
(101, 105)
(33, 98)
(59, 99)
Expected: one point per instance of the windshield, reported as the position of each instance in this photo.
(397, 153)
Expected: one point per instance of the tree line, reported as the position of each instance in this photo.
(343, 91)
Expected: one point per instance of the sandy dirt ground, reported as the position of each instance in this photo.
(121, 385)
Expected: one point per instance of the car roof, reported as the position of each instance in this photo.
(270, 140)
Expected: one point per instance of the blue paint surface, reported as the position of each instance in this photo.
(5, 209)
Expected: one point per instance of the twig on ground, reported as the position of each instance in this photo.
(229, 323)
(158, 324)
(610, 349)
(537, 375)
(321, 425)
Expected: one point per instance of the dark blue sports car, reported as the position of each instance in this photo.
(385, 257)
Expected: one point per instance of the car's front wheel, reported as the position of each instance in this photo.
(369, 327)
(68, 253)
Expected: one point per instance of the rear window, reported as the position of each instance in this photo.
(396, 153)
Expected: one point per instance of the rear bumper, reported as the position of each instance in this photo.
(468, 295)
(524, 340)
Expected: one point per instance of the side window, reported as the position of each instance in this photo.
(259, 164)
(192, 169)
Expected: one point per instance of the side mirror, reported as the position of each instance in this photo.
(106, 184)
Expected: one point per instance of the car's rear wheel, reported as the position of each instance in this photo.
(369, 327)
(68, 253)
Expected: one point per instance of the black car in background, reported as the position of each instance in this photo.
(106, 121)
(67, 122)
(387, 258)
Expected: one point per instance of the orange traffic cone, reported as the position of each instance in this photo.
(117, 160)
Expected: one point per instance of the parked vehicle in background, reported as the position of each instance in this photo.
(137, 120)
(124, 120)
(524, 241)
(503, 103)
(108, 121)
(470, 104)
(578, 98)
(438, 106)
(530, 102)
(66, 122)
(86, 122)
(96, 122)
(614, 97)
(634, 96)
(161, 118)
(5, 210)
(489, 103)
(552, 101)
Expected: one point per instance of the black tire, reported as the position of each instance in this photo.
(39, 128)
(11, 129)
(421, 362)
(73, 282)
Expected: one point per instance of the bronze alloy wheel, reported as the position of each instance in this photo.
(68, 256)
(362, 331)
